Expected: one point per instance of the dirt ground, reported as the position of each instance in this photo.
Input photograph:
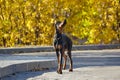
(88, 65)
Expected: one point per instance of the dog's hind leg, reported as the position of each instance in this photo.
(71, 62)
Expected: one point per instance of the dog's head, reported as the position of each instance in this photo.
(59, 25)
(58, 36)
(59, 28)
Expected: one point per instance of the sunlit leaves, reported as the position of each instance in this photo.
(30, 22)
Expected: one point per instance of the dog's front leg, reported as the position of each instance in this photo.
(58, 59)
(60, 62)
(57, 54)
(65, 59)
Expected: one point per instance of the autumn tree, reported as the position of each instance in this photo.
(30, 22)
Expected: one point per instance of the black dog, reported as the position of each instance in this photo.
(62, 43)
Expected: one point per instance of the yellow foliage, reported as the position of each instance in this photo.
(30, 22)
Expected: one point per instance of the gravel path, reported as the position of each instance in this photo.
(88, 65)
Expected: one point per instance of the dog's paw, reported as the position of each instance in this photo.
(70, 70)
(59, 72)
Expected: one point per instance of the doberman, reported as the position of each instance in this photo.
(62, 43)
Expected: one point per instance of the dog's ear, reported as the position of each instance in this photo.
(55, 24)
(63, 23)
